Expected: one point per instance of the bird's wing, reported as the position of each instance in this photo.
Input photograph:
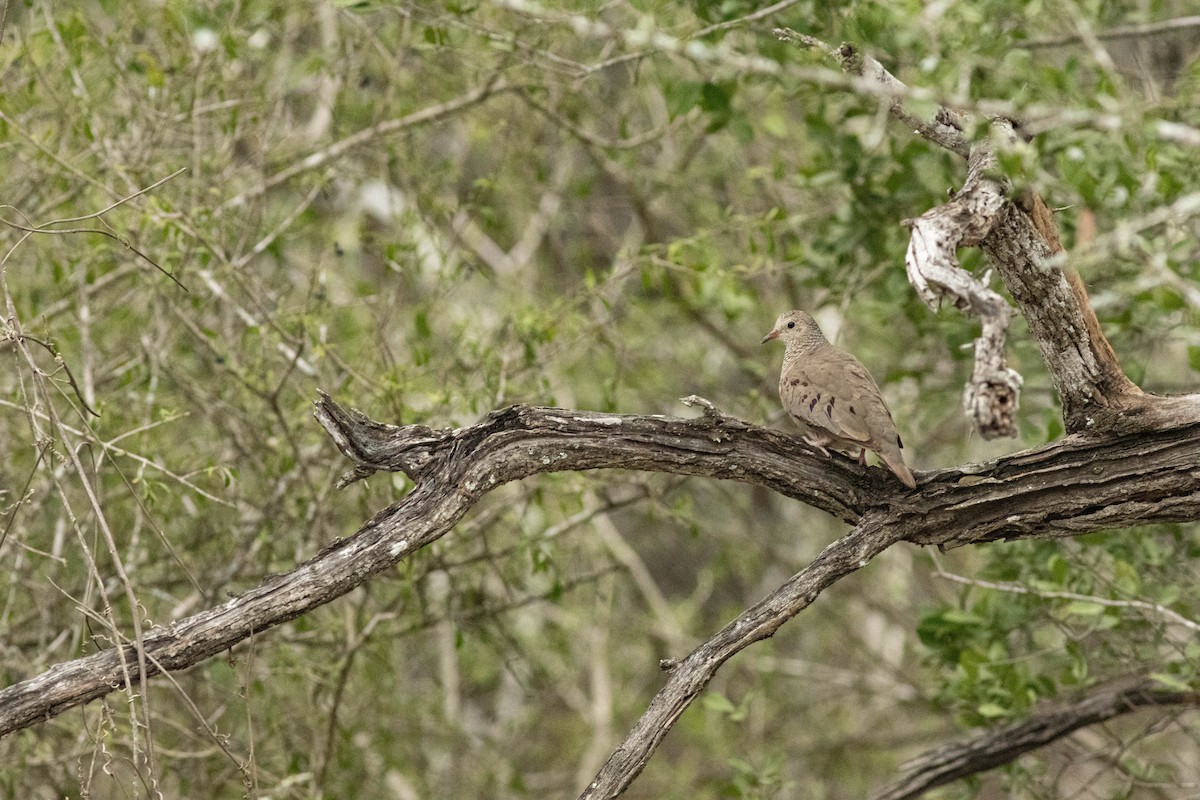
(820, 394)
(842, 398)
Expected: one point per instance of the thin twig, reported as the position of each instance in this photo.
(111, 206)
(493, 87)
(1016, 588)
(20, 500)
(762, 13)
(1124, 32)
(60, 361)
(588, 137)
(44, 228)
(944, 129)
(109, 448)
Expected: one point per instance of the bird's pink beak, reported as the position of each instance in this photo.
(772, 335)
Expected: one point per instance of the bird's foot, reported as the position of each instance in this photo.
(819, 443)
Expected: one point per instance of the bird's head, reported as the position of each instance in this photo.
(796, 329)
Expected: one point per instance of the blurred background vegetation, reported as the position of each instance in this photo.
(431, 210)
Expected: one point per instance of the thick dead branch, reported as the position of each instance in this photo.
(1082, 364)
(1020, 241)
(992, 395)
(1114, 386)
(1090, 383)
(454, 469)
(558, 439)
(1000, 746)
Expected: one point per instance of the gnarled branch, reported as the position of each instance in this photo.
(992, 396)
(1019, 239)
(1061, 489)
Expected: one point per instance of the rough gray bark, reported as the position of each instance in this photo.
(1093, 389)
(999, 746)
(1059, 489)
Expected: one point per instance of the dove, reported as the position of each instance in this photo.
(830, 395)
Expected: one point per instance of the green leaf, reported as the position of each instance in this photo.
(719, 703)
(992, 710)
(1126, 578)
(1171, 682)
(681, 97)
(1083, 608)
(421, 323)
(1193, 356)
(436, 35)
(1169, 594)
(716, 99)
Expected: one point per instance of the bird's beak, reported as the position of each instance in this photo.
(772, 335)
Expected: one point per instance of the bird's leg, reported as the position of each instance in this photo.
(818, 442)
(862, 456)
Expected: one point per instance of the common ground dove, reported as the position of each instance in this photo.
(830, 395)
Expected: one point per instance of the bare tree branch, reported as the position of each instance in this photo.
(992, 396)
(1062, 489)
(1092, 387)
(455, 468)
(997, 747)
(944, 129)
(688, 677)
(1055, 302)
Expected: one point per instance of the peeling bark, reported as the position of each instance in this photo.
(1020, 239)
(1021, 243)
(992, 395)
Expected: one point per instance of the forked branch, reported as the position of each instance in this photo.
(1093, 483)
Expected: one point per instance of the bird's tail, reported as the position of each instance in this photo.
(895, 463)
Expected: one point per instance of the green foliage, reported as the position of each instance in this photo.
(1047, 617)
(614, 227)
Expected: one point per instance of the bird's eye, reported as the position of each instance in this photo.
(791, 324)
